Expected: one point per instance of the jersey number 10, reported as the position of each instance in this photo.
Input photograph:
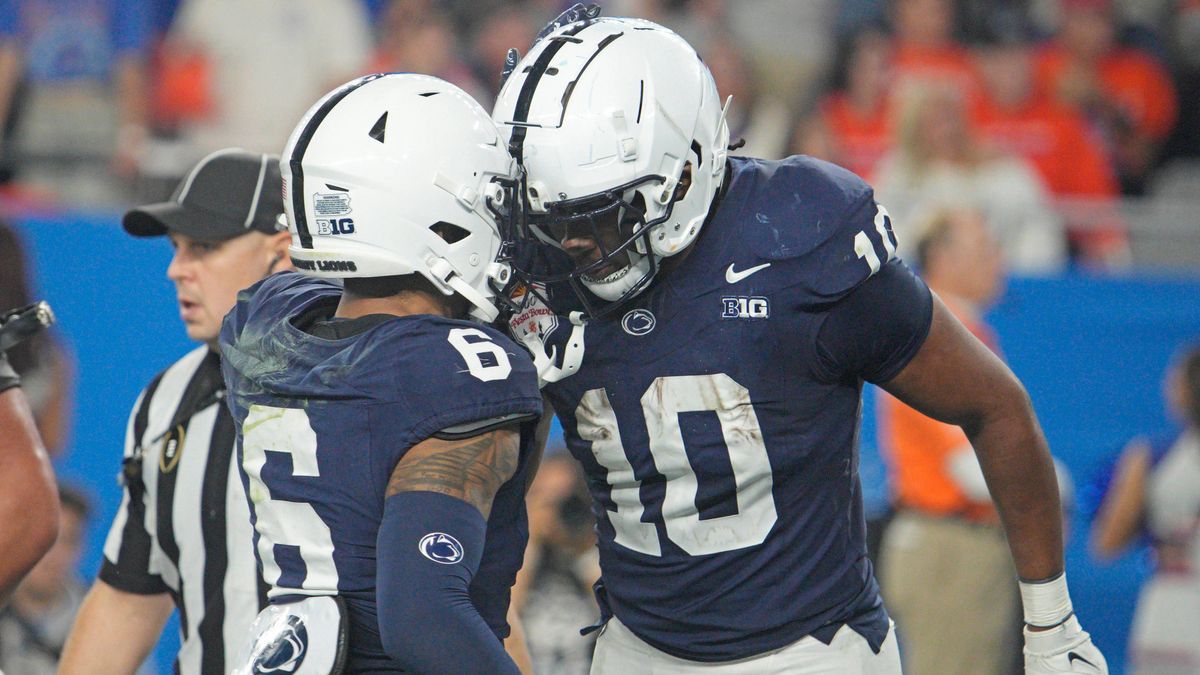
(865, 249)
(662, 404)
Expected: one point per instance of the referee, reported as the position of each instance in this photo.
(182, 537)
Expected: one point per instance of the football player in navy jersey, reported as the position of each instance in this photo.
(384, 439)
(703, 325)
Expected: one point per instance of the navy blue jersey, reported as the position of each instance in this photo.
(322, 422)
(716, 416)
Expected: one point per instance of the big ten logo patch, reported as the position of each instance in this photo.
(335, 226)
(745, 307)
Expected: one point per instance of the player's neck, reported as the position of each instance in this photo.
(402, 304)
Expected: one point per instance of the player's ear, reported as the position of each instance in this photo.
(277, 248)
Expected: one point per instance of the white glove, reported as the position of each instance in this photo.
(1066, 648)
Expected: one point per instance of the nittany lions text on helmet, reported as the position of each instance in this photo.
(357, 173)
(609, 136)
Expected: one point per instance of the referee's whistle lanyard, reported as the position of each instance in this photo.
(131, 466)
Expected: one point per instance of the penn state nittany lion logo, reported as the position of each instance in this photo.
(285, 651)
(441, 548)
(638, 322)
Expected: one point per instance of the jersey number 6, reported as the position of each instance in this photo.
(281, 522)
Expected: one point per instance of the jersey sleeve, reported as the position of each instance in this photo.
(128, 548)
(875, 330)
(464, 379)
(821, 227)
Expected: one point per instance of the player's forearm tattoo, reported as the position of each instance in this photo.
(471, 470)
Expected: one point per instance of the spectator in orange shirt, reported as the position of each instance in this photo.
(1014, 116)
(855, 117)
(946, 533)
(926, 49)
(1126, 93)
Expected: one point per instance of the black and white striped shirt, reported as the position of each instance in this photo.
(184, 525)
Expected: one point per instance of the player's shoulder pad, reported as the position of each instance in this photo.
(452, 350)
(272, 299)
(800, 203)
(808, 218)
(454, 372)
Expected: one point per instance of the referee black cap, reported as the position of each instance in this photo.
(227, 194)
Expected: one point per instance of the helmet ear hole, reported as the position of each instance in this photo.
(450, 232)
(685, 182)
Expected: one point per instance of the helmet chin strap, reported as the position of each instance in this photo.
(639, 267)
(482, 308)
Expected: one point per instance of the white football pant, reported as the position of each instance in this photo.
(619, 652)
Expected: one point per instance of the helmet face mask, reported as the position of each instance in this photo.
(619, 127)
(402, 174)
(615, 223)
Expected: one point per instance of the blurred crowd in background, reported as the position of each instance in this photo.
(1055, 134)
(1044, 112)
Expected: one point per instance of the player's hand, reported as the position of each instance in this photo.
(1066, 648)
(576, 12)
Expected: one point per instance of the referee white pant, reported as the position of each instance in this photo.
(619, 652)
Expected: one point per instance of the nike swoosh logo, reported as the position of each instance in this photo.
(1072, 657)
(733, 277)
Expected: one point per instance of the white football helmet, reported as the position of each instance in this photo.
(604, 114)
(396, 174)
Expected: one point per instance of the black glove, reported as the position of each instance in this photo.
(17, 325)
(575, 13)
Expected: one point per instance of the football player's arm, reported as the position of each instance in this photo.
(1121, 515)
(441, 488)
(114, 630)
(29, 501)
(892, 331)
(956, 379)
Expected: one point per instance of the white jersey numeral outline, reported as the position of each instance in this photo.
(281, 522)
(472, 353)
(663, 402)
(864, 248)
